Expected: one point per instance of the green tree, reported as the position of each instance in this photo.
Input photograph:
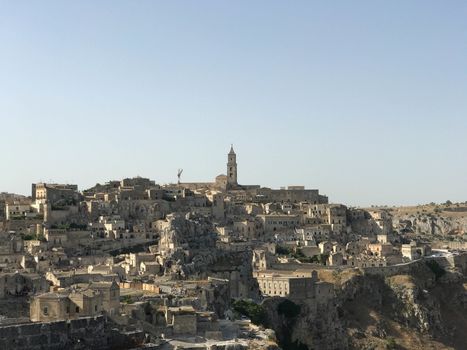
(288, 308)
(282, 250)
(436, 268)
(250, 309)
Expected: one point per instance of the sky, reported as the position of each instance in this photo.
(364, 100)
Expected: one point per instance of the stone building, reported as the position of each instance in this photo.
(414, 250)
(80, 300)
(20, 284)
(217, 205)
(55, 237)
(86, 302)
(293, 194)
(110, 295)
(262, 259)
(51, 306)
(335, 259)
(246, 228)
(380, 249)
(17, 210)
(150, 267)
(52, 193)
(312, 233)
(274, 222)
(325, 247)
(181, 320)
(383, 220)
(65, 305)
(293, 286)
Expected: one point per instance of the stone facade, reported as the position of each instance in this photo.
(295, 287)
(78, 301)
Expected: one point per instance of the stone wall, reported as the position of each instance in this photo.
(459, 261)
(83, 333)
(448, 244)
(55, 335)
(16, 284)
(184, 324)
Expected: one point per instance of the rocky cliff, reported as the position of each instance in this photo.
(424, 309)
(192, 252)
(429, 224)
(431, 220)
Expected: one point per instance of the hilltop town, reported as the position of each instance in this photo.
(224, 265)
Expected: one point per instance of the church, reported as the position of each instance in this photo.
(229, 183)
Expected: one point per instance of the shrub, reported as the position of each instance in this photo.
(288, 308)
(436, 268)
(126, 299)
(298, 254)
(282, 250)
(28, 237)
(391, 343)
(253, 311)
(80, 227)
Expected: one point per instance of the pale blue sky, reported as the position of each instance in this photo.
(365, 100)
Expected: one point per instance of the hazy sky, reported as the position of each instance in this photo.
(365, 100)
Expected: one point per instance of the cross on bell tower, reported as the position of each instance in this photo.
(232, 167)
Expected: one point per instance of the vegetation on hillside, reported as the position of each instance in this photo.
(250, 309)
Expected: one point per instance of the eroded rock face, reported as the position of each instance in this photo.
(185, 233)
(190, 251)
(414, 306)
(430, 224)
(316, 327)
(370, 310)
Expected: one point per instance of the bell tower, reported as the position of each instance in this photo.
(232, 167)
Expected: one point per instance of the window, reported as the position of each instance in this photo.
(95, 307)
(77, 310)
(46, 310)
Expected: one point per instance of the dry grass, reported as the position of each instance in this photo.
(403, 280)
(454, 211)
(337, 277)
(441, 210)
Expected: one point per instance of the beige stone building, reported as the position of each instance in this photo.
(293, 286)
(19, 210)
(274, 222)
(52, 193)
(55, 237)
(381, 249)
(110, 295)
(51, 306)
(325, 247)
(182, 320)
(80, 300)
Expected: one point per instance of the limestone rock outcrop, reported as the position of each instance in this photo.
(190, 251)
(379, 311)
(430, 224)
